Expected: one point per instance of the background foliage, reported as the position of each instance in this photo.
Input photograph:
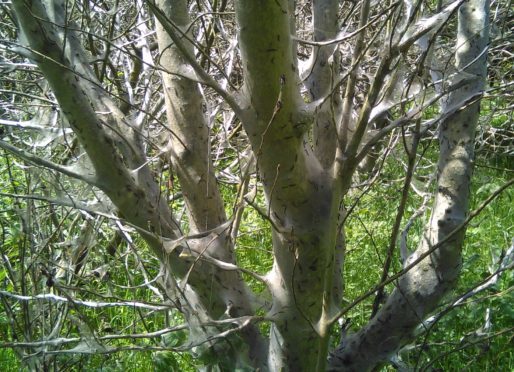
(45, 237)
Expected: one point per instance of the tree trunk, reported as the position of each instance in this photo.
(301, 205)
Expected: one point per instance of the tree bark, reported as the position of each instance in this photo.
(301, 207)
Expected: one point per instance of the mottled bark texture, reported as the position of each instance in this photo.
(299, 191)
(419, 291)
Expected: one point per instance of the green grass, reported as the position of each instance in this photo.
(368, 231)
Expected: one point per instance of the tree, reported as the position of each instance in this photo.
(309, 115)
